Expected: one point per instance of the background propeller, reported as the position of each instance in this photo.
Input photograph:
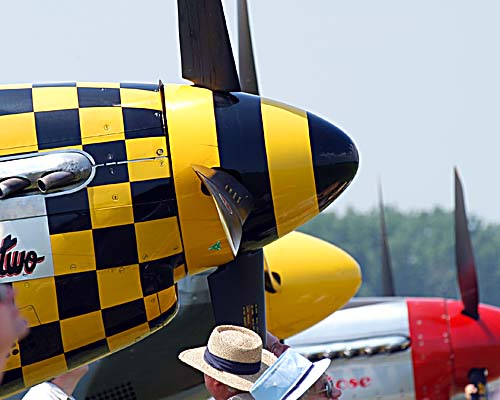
(387, 278)
(466, 268)
(248, 74)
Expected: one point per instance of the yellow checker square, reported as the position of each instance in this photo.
(148, 169)
(126, 338)
(30, 315)
(119, 285)
(40, 296)
(13, 358)
(168, 298)
(73, 252)
(152, 305)
(99, 85)
(110, 205)
(18, 134)
(179, 272)
(157, 239)
(54, 98)
(38, 372)
(82, 330)
(101, 124)
(149, 147)
(135, 98)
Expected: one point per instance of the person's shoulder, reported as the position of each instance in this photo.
(242, 396)
(36, 391)
(44, 391)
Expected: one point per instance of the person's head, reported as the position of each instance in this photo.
(294, 377)
(232, 360)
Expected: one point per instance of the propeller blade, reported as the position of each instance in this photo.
(466, 268)
(206, 54)
(237, 292)
(233, 201)
(387, 281)
(248, 75)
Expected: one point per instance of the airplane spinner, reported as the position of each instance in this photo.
(110, 193)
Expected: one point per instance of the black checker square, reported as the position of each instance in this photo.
(151, 87)
(110, 174)
(43, 342)
(107, 152)
(85, 354)
(140, 123)
(158, 322)
(115, 246)
(123, 317)
(153, 199)
(57, 128)
(12, 380)
(16, 101)
(77, 294)
(98, 97)
(158, 275)
(69, 212)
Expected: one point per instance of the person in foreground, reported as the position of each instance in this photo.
(59, 388)
(231, 362)
(12, 326)
(236, 367)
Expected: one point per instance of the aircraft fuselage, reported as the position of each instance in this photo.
(102, 211)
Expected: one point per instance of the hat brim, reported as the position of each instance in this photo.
(195, 358)
(318, 369)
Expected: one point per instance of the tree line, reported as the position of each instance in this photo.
(422, 248)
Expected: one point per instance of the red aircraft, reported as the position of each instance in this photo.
(413, 348)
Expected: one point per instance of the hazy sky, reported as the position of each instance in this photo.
(416, 84)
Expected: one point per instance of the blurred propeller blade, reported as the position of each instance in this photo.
(248, 75)
(387, 281)
(237, 292)
(206, 54)
(466, 268)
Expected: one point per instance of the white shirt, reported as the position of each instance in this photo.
(46, 391)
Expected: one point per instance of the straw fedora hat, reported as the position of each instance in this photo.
(233, 356)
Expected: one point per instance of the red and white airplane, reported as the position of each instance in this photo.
(413, 348)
